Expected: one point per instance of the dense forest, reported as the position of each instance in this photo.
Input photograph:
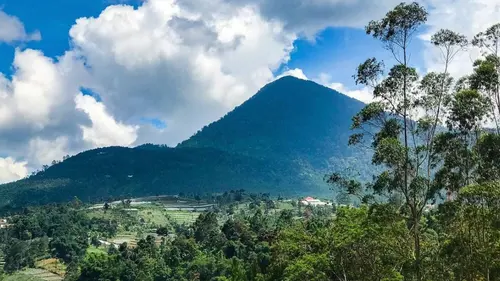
(431, 213)
(459, 241)
(118, 172)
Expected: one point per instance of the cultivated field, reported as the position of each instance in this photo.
(52, 265)
(34, 274)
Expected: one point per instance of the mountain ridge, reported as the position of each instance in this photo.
(283, 140)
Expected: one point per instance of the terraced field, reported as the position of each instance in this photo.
(34, 274)
(183, 217)
(99, 250)
(130, 239)
(52, 265)
(22, 277)
(156, 216)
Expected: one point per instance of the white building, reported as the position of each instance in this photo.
(309, 201)
(3, 223)
(429, 207)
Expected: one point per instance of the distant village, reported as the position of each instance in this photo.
(3, 223)
(310, 201)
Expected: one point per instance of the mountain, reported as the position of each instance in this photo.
(289, 119)
(283, 140)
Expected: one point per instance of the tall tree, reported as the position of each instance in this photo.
(486, 74)
(392, 115)
(472, 248)
(436, 87)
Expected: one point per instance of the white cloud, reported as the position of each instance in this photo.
(467, 17)
(179, 64)
(44, 151)
(296, 72)
(163, 61)
(12, 30)
(104, 131)
(37, 103)
(33, 92)
(11, 170)
(39, 114)
(364, 94)
(184, 62)
(307, 17)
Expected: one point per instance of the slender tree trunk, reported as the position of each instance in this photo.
(497, 93)
(436, 120)
(414, 203)
(467, 160)
(405, 119)
(416, 234)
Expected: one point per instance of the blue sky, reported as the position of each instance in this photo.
(53, 20)
(157, 71)
(335, 51)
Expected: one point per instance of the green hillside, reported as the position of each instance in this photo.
(288, 119)
(282, 141)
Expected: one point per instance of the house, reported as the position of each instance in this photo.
(310, 201)
(3, 223)
(429, 207)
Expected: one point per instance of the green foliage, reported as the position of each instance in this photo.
(467, 110)
(283, 140)
(395, 233)
(459, 241)
(488, 153)
(399, 25)
(21, 277)
(489, 39)
(404, 121)
(60, 231)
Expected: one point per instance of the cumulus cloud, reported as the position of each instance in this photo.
(44, 151)
(37, 102)
(11, 170)
(296, 72)
(42, 114)
(12, 30)
(363, 94)
(467, 17)
(307, 17)
(186, 63)
(160, 61)
(178, 64)
(104, 131)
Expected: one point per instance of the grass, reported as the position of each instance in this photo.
(93, 249)
(183, 217)
(155, 216)
(52, 265)
(284, 205)
(117, 215)
(22, 277)
(33, 274)
(130, 239)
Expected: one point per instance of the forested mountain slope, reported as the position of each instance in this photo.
(282, 141)
(289, 119)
